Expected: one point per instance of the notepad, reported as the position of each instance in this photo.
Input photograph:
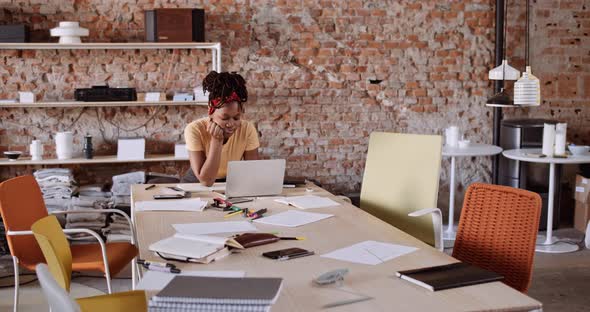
(156, 280)
(370, 252)
(185, 204)
(219, 290)
(197, 187)
(308, 202)
(449, 276)
(204, 228)
(293, 218)
(194, 248)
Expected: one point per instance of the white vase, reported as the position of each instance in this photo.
(64, 145)
(69, 32)
(36, 150)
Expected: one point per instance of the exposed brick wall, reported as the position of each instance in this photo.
(308, 65)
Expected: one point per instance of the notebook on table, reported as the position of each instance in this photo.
(201, 290)
(449, 276)
(194, 248)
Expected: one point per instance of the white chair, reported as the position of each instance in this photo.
(57, 298)
(436, 222)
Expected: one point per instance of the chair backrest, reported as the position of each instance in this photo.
(56, 249)
(56, 296)
(401, 176)
(21, 204)
(498, 231)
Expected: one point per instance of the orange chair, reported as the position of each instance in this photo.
(21, 205)
(498, 231)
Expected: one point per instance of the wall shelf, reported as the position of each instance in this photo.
(96, 160)
(74, 104)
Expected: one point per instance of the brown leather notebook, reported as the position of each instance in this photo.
(449, 276)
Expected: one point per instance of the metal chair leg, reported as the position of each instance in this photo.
(16, 282)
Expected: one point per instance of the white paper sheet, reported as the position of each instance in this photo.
(155, 280)
(187, 204)
(370, 252)
(204, 228)
(293, 218)
(308, 202)
(197, 187)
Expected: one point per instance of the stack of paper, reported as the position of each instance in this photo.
(205, 228)
(156, 280)
(293, 218)
(308, 202)
(370, 252)
(185, 204)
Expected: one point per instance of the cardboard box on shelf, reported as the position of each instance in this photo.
(582, 210)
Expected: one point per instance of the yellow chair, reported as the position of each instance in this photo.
(56, 249)
(401, 176)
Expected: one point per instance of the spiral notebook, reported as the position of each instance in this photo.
(182, 307)
(219, 290)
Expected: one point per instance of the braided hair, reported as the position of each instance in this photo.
(225, 87)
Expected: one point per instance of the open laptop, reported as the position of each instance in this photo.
(254, 178)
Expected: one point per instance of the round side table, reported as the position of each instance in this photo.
(548, 243)
(472, 150)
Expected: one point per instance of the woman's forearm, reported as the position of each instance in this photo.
(211, 165)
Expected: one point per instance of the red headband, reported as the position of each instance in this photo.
(219, 102)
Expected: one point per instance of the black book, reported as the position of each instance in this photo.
(449, 276)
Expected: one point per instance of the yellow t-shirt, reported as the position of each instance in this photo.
(245, 138)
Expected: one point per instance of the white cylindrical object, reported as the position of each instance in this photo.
(527, 90)
(560, 138)
(548, 140)
(64, 145)
(452, 136)
(36, 150)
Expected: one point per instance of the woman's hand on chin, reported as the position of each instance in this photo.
(215, 131)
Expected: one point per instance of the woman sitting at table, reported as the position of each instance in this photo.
(223, 136)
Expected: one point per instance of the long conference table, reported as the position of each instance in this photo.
(350, 225)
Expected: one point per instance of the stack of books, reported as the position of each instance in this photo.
(217, 294)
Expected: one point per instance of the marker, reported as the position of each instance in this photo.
(292, 238)
(258, 213)
(233, 213)
(150, 187)
(162, 264)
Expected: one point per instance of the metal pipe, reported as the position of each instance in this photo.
(498, 84)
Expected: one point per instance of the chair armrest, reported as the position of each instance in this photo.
(117, 211)
(436, 223)
(19, 233)
(123, 301)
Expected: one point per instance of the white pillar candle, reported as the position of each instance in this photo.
(560, 138)
(64, 145)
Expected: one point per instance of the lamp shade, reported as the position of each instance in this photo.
(527, 90)
(500, 99)
(504, 72)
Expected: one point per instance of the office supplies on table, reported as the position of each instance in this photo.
(292, 238)
(204, 228)
(308, 202)
(287, 254)
(345, 302)
(155, 280)
(194, 248)
(162, 264)
(256, 239)
(369, 252)
(165, 269)
(447, 276)
(220, 290)
(198, 187)
(150, 187)
(231, 214)
(169, 196)
(257, 214)
(183, 204)
(254, 178)
(293, 218)
(331, 277)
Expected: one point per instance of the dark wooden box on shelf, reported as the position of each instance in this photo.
(175, 25)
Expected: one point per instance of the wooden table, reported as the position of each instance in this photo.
(350, 225)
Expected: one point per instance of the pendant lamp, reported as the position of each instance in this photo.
(527, 89)
(503, 72)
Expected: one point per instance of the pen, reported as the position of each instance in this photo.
(150, 187)
(295, 256)
(152, 267)
(233, 213)
(292, 238)
(162, 264)
(343, 302)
